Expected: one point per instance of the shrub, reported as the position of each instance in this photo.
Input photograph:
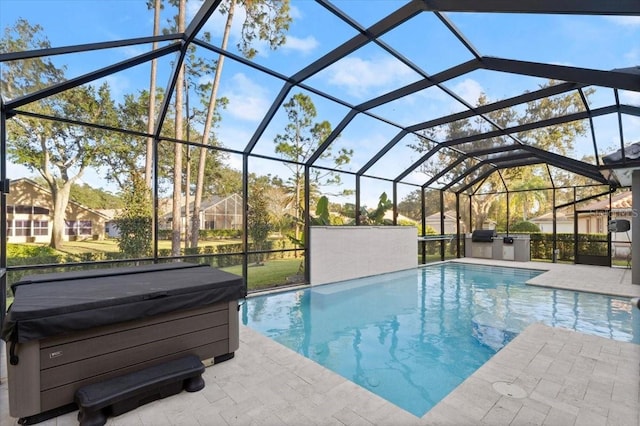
(21, 254)
(524, 226)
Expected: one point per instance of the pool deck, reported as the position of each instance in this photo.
(545, 376)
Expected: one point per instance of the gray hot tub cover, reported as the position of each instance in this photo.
(53, 304)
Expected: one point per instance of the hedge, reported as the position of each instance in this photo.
(542, 245)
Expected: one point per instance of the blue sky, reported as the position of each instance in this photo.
(586, 41)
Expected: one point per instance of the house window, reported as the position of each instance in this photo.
(40, 227)
(23, 209)
(600, 225)
(22, 228)
(70, 227)
(84, 227)
(77, 227)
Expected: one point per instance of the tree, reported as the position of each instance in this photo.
(376, 216)
(265, 20)
(258, 218)
(126, 155)
(411, 205)
(95, 198)
(301, 138)
(176, 223)
(136, 220)
(527, 198)
(59, 152)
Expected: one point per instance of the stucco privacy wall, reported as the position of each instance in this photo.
(340, 253)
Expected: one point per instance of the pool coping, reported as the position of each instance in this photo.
(585, 278)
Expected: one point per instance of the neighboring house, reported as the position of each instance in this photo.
(30, 215)
(110, 227)
(449, 223)
(592, 219)
(388, 215)
(215, 213)
(564, 221)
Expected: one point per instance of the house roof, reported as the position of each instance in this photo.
(619, 201)
(448, 215)
(206, 204)
(561, 216)
(46, 190)
(389, 216)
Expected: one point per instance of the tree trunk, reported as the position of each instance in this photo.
(148, 167)
(202, 161)
(60, 199)
(481, 207)
(177, 164)
(187, 184)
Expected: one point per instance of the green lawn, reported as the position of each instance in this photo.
(111, 245)
(271, 273)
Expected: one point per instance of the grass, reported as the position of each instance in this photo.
(271, 273)
(111, 246)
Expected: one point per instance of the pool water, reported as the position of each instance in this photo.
(411, 337)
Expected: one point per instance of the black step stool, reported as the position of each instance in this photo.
(124, 393)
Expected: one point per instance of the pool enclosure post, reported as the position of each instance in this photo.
(507, 222)
(423, 243)
(357, 212)
(395, 203)
(442, 241)
(4, 189)
(635, 227)
(458, 225)
(575, 226)
(554, 253)
(245, 220)
(307, 216)
(470, 214)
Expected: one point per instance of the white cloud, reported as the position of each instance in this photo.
(358, 76)
(247, 100)
(294, 12)
(469, 90)
(625, 21)
(631, 98)
(303, 45)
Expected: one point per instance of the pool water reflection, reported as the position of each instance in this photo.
(413, 336)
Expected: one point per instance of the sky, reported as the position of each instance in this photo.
(602, 43)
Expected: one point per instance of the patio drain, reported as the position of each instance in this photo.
(509, 389)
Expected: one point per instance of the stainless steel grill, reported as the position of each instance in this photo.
(483, 235)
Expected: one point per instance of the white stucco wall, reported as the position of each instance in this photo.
(345, 252)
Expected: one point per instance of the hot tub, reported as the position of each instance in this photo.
(67, 330)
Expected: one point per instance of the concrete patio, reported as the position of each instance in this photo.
(545, 376)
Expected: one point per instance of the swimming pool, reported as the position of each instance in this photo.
(413, 336)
